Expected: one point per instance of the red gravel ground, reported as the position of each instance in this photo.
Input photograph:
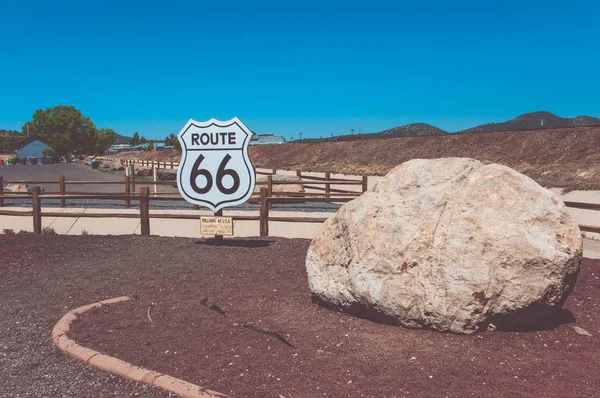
(239, 319)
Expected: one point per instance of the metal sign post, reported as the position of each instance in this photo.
(215, 170)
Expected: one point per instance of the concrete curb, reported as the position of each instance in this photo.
(116, 366)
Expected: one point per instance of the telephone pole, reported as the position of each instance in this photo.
(300, 135)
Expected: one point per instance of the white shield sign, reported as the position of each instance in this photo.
(215, 169)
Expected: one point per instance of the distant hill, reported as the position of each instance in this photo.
(412, 130)
(534, 121)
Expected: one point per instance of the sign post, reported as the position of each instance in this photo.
(215, 170)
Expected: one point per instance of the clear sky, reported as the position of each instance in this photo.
(282, 67)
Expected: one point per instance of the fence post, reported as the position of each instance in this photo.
(154, 176)
(270, 189)
(132, 177)
(62, 190)
(145, 211)
(219, 238)
(171, 165)
(364, 183)
(37, 211)
(299, 173)
(274, 171)
(127, 191)
(1, 191)
(164, 164)
(327, 178)
(264, 213)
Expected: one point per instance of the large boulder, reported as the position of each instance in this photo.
(116, 165)
(21, 188)
(17, 188)
(450, 245)
(144, 171)
(167, 174)
(88, 160)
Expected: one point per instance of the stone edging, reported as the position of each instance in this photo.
(117, 366)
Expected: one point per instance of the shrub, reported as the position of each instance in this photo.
(23, 232)
(85, 232)
(48, 231)
(7, 231)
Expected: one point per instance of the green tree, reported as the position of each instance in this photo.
(135, 140)
(150, 147)
(104, 139)
(143, 140)
(172, 140)
(67, 130)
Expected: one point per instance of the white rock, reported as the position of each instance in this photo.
(281, 188)
(450, 245)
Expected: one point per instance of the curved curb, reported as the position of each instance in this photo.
(116, 366)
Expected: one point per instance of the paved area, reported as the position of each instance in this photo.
(591, 248)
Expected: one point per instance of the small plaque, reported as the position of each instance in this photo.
(213, 225)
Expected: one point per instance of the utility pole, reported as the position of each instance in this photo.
(300, 135)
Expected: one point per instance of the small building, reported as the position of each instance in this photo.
(140, 147)
(265, 139)
(119, 148)
(33, 147)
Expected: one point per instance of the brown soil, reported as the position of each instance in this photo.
(566, 158)
(239, 319)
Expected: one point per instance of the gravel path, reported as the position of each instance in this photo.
(260, 282)
(37, 287)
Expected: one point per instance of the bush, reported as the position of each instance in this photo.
(7, 231)
(23, 232)
(48, 231)
(85, 232)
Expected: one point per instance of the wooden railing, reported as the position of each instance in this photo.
(129, 186)
(263, 199)
(266, 198)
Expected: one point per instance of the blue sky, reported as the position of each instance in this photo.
(319, 67)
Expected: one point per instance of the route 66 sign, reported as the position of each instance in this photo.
(215, 170)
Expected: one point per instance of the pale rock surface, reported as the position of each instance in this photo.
(281, 188)
(21, 188)
(451, 245)
(116, 165)
(17, 188)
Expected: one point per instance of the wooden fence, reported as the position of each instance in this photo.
(266, 197)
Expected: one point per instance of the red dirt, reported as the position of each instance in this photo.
(566, 157)
(262, 284)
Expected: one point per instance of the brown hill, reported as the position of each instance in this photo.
(535, 120)
(566, 158)
(412, 130)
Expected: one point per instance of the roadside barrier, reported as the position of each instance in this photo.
(266, 198)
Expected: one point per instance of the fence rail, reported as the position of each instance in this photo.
(144, 214)
(266, 198)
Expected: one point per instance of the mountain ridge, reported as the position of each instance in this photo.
(535, 121)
